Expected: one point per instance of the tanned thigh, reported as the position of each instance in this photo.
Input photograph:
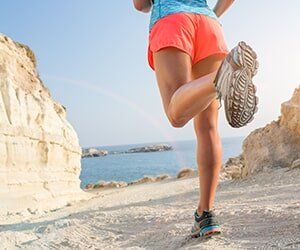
(173, 68)
(209, 117)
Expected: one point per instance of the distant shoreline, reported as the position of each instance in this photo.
(94, 152)
(133, 166)
(153, 143)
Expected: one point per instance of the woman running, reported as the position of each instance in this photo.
(194, 72)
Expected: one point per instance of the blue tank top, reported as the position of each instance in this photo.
(162, 8)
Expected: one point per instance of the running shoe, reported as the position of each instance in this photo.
(205, 225)
(235, 87)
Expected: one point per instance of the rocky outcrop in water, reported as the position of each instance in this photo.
(39, 149)
(151, 148)
(93, 152)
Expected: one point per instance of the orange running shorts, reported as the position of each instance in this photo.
(197, 35)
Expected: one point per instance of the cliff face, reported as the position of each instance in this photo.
(39, 149)
(278, 143)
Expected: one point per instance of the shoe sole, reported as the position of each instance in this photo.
(208, 234)
(241, 102)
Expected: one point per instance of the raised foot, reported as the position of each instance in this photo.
(237, 88)
(245, 57)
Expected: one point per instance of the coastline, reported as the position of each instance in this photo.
(133, 166)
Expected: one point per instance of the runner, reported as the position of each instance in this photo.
(194, 72)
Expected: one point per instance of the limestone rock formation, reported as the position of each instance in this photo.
(278, 143)
(148, 179)
(108, 184)
(121, 184)
(234, 168)
(39, 150)
(187, 173)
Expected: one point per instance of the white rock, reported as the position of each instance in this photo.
(39, 150)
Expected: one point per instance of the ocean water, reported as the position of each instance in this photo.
(129, 167)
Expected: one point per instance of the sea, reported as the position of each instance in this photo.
(132, 166)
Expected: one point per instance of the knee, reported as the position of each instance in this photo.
(205, 126)
(176, 122)
(208, 129)
(207, 121)
(175, 119)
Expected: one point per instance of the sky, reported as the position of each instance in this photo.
(92, 57)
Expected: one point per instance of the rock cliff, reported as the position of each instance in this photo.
(39, 149)
(276, 144)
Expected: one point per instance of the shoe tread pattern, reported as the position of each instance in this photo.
(241, 103)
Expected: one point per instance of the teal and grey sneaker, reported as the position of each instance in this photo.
(205, 225)
(234, 85)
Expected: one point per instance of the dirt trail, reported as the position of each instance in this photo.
(262, 211)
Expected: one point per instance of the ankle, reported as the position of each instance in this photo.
(200, 210)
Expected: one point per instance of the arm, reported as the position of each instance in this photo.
(222, 6)
(143, 5)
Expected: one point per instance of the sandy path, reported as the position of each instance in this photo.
(262, 211)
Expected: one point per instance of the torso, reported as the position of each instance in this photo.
(162, 8)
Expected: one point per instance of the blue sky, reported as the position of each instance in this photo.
(92, 56)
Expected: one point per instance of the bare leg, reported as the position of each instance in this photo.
(192, 98)
(183, 96)
(209, 155)
(209, 147)
(173, 69)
